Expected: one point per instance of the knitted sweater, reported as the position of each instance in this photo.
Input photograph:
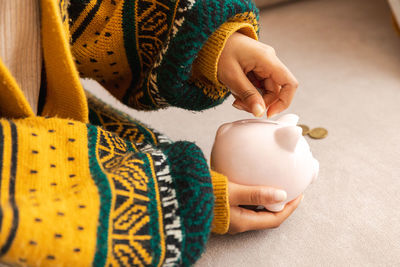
(84, 184)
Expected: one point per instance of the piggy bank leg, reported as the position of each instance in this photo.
(275, 207)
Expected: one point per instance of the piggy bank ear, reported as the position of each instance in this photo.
(290, 119)
(287, 137)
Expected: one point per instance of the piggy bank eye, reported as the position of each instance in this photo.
(288, 137)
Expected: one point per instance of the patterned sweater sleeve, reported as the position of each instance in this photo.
(153, 54)
(138, 133)
(73, 194)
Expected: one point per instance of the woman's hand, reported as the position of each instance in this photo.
(242, 219)
(246, 64)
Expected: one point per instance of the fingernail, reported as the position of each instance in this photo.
(237, 106)
(258, 110)
(302, 198)
(280, 195)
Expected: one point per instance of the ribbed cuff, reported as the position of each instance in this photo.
(220, 224)
(206, 63)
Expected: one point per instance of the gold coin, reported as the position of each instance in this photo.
(305, 128)
(318, 133)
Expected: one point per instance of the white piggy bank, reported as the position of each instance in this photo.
(265, 152)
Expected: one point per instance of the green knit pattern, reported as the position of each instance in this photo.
(192, 183)
(105, 199)
(161, 40)
(174, 72)
(179, 167)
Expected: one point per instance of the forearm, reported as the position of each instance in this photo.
(71, 191)
(149, 65)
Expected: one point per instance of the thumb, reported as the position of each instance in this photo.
(245, 91)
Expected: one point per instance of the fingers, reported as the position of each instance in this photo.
(242, 220)
(240, 105)
(288, 85)
(250, 98)
(254, 195)
(284, 99)
(271, 92)
(253, 79)
(245, 65)
(279, 80)
(278, 91)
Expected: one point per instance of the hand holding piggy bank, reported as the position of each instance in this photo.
(267, 153)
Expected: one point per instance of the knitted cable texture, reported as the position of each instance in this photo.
(77, 195)
(143, 51)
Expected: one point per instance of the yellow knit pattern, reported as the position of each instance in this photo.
(122, 126)
(58, 203)
(100, 51)
(205, 67)
(221, 208)
(130, 218)
(13, 103)
(65, 96)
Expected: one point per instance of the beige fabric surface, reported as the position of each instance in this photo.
(346, 56)
(20, 47)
